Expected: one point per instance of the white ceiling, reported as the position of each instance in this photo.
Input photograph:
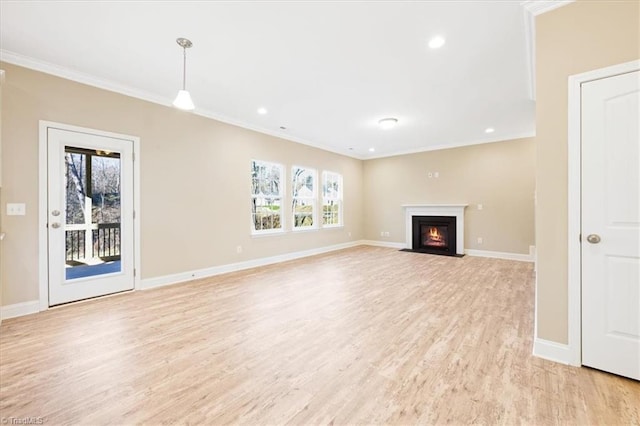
(325, 70)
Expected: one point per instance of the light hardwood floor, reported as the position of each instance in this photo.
(361, 336)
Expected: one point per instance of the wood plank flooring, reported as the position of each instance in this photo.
(361, 336)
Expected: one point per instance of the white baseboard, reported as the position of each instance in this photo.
(19, 309)
(504, 255)
(552, 351)
(480, 253)
(149, 283)
(389, 244)
(32, 307)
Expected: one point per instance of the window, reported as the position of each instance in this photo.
(266, 194)
(331, 199)
(303, 197)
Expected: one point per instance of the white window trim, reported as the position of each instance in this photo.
(283, 216)
(314, 199)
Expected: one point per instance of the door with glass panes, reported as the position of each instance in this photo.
(90, 215)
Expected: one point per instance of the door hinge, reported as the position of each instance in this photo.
(134, 272)
(133, 156)
(134, 214)
(580, 238)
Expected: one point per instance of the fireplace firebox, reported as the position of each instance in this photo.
(434, 234)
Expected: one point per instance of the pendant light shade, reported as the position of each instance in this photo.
(183, 100)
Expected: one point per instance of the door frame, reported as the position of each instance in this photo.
(574, 201)
(43, 264)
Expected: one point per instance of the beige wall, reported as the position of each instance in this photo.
(576, 38)
(500, 176)
(195, 180)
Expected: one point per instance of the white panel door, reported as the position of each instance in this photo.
(611, 224)
(90, 215)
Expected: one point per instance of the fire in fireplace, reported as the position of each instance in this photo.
(434, 234)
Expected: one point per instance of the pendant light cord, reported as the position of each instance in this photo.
(184, 68)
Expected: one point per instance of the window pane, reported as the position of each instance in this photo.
(331, 213)
(302, 213)
(92, 229)
(76, 186)
(266, 213)
(331, 198)
(265, 178)
(303, 182)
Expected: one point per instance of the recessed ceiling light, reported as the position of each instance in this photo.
(372, 150)
(388, 123)
(436, 42)
(262, 111)
(489, 130)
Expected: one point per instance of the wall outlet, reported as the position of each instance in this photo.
(386, 233)
(479, 240)
(349, 234)
(430, 174)
(16, 209)
(239, 249)
(382, 233)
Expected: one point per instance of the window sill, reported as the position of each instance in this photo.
(260, 234)
(305, 229)
(269, 233)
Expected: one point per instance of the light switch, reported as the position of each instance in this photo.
(16, 209)
(480, 207)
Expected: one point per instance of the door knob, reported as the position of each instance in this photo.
(593, 238)
(55, 225)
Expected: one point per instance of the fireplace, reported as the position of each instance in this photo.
(434, 234)
(455, 233)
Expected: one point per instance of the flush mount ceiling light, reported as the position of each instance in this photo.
(372, 150)
(262, 111)
(183, 100)
(489, 130)
(436, 42)
(388, 123)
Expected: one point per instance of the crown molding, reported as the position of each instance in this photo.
(77, 76)
(530, 46)
(90, 80)
(505, 138)
(538, 7)
(531, 9)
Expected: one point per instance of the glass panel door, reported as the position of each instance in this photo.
(90, 215)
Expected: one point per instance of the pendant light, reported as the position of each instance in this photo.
(183, 100)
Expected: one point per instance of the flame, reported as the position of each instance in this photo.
(434, 235)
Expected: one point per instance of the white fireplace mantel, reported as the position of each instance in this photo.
(456, 210)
